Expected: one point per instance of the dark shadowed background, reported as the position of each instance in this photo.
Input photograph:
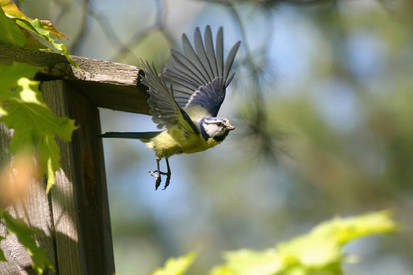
(322, 101)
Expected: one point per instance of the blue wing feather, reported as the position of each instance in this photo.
(209, 97)
(199, 76)
(164, 109)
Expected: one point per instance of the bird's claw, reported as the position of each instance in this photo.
(168, 179)
(157, 175)
(154, 174)
(157, 182)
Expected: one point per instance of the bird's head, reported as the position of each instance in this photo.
(215, 127)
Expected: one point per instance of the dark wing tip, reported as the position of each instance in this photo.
(207, 30)
(228, 81)
(236, 46)
(197, 33)
(185, 39)
(230, 59)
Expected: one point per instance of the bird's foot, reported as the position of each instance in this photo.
(168, 179)
(157, 175)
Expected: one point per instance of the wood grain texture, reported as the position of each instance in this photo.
(63, 199)
(107, 84)
(10, 246)
(75, 217)
(82, 196)
(35, 212)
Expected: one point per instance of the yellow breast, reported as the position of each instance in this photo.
(200, 145)
(172, 141)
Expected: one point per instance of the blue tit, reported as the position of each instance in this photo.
(185, 98)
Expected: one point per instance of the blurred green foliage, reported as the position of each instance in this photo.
(11, 33)
(35, 126)
(318, 252)
(43, 29)
(21, 103)
(176, 266)
(321, 101)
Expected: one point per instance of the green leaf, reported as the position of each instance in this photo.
(26, 236)
(246, 261)
(9, 7)
(2, 257)
(318, 252)
(176, 266)
(10, 74)
(34, 123)
(41, 28)
(221, 270)
(36, 27)
(10, 34)
(322, 246)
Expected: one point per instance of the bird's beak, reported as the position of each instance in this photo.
(230, 127)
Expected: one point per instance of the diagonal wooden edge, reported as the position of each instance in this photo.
(107, 84)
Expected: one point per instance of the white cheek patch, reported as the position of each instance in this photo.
(211, 129)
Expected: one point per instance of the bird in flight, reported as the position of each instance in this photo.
(185, 99)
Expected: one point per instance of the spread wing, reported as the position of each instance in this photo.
(164, 109)
(199, 76)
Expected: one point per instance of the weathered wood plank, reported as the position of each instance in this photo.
(56, 65)
(77, 217)
(116, 97)
(85, 169)
(36, 213)
(107, 84)
(63, 202)
(91, 183)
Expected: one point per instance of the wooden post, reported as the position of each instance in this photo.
(75, 216)
(37, 215)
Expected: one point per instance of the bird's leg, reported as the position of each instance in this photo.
(168, 174)
(157, 171)
(156, 174)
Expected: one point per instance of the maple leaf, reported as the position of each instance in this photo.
(41, 28)
(35, 125)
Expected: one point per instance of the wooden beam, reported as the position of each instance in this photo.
(75, 217)
(107, 84)
(80, 200)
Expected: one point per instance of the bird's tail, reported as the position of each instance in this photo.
(143, 136)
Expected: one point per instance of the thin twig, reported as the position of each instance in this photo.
(139, 36)
(257, 120)
(106, 27)
(81, 34)
(63, 9)
(136, 38)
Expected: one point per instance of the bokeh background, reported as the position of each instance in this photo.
(322, 101)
